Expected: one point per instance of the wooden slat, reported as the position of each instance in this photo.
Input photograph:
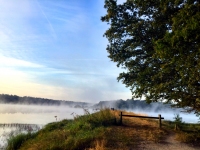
(142, 116)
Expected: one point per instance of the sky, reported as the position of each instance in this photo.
(55, 49)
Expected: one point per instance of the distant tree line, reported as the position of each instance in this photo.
(14, 99)
(128, 104)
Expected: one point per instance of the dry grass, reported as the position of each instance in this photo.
(187, 137)
(133, 132)
(98, 145)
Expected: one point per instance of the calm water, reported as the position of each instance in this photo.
(36, 114)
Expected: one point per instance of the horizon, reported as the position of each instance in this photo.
(56, 50)
(111, 100)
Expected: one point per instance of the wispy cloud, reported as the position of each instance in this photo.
(44, 14)
(13, 62)
(56, 49)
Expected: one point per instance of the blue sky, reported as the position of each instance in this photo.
(56, 49)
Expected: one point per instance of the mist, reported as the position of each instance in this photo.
(43, 114)
(152, 109)
(169, 115)
(35, 114)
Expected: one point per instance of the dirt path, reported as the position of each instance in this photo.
(141, 134)
(168, 144)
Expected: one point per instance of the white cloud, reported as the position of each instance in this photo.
(73, 67)
(13, 62)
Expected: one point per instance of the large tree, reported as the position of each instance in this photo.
(157, 42)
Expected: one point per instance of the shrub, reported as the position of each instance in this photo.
(178, 122)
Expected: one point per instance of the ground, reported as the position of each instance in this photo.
(144, 134)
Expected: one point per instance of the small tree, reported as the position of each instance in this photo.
(178, 121)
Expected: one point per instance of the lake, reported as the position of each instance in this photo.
(32, 114)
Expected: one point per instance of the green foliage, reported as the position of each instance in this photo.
(157, 42)
(178, 122)
(178, 119)
(56, 125)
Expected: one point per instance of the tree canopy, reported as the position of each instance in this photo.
(157, 42)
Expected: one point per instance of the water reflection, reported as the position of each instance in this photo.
(36, 114)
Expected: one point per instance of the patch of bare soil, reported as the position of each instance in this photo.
(168, 143)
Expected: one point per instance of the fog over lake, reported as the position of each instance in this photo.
(169, 115)
(34, 114)
(41, 115)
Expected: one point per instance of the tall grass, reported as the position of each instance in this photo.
(16, 141)
(9, 131)
(80, 133)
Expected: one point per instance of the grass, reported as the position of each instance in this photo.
(100, 131)
(187, 137)
(15, 142)
(80, 133)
